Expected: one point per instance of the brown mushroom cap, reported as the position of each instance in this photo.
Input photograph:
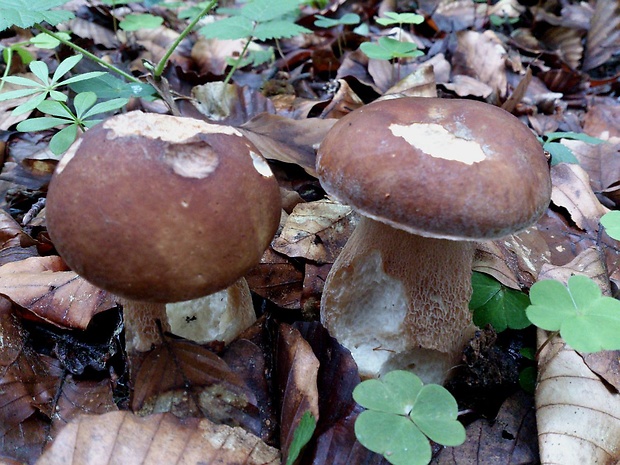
(161, 208)
(453, 169)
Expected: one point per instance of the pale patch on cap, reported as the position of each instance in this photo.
(191, 160)
(164, 127)
(261, 165)
(436, 141)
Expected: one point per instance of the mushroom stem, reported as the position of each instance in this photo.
(397, 300)
(142, 330)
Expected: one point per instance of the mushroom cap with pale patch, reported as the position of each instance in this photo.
(452, 169)
(161, 208)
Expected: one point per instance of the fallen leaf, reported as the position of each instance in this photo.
(297, 371)
(43, 286)
(124, 438)
(603, 37)
(316, 231)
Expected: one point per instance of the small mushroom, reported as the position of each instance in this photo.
(160, 209)
(429, 176)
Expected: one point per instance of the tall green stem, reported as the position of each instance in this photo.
(159, 69)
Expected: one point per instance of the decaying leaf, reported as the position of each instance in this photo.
(316, 231)
(297, 381)
(189, 380)
(122, 437)
(290, 141)
(45, 287)
(509, 439)
(572, 191)
(578, 416)
(603, 37)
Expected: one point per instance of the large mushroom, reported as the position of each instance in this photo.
(429, 176)
(159, 209)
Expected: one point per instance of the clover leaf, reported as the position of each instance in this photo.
(402, 414)
(586, 320)
(27, 13)
(611, 222)
(497, 305)
(387, 48)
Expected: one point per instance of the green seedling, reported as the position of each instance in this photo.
(391, 18)
(302, 435)
(402, 415)
(349, 19)
(586, 320)
(387, 48)
(45, 86)
(495, 304)
(561, 153)
(136, 22)
(611, 223)
(257, 20)
(73, 123)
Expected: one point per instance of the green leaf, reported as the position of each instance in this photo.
(278, 29)
(30, 105)
(41, 124)
(235, 27)
(54, 108)
(391, 18)
(136, 22)
(347, 19)
(65, 66)
(497, 305)
(27, 13)
(82, 102)
(560, 153)
(268, 10)
(395, 392)
(387, 48)
(107, 86)
(17, 93)
(46, 41)
(41, 71)
(587, 321)
(302, 435)
(63, 139)
(611, 223)
(107, 106)
(393, 436)
(435, 412)
(551, 136)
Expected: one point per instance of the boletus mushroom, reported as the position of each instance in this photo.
(429, 177)
(159, 209)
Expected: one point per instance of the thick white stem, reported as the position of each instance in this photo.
(142, 331)
(400, 301)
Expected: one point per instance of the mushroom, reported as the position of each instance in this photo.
(429, 176)
(159, 209)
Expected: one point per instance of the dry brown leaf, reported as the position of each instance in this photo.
(603, 39)
(124, 438)
(572, 191)
(88, 29)
(211, 55)
(297, 371)
(290, 141)
(11, 233)
(464, 86)
(189, 380)
(316, 231)
(481, 56)
(45, 287)
(600, 161)
(508, 440)
(603, 120)
(567, 42)
(277, 279)
(229, 103)
(578, 416)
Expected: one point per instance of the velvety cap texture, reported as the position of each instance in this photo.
(454, 169)
(162, 208)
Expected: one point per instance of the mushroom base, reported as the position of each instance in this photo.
(400, 301)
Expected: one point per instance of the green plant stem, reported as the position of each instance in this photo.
(91, 56)
(159, 69)
(237, 62)
(544, 344)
